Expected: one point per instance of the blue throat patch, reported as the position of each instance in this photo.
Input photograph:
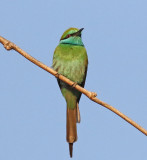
(72, 41)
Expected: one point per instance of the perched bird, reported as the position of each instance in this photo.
(70, 60)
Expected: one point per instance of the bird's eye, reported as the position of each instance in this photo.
(68, 36)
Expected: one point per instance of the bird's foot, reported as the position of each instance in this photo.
(57, 75)
(74, 85)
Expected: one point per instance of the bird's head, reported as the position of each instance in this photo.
(72, 36)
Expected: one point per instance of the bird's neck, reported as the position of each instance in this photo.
(72, 41)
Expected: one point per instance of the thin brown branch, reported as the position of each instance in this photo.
(91, 95)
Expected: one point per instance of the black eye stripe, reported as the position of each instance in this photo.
(71, 35)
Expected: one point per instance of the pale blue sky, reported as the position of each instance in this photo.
(32, 109)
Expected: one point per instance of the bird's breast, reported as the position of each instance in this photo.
(71, 61)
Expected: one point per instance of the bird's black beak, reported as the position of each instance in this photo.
(78, 33)
(80, 30)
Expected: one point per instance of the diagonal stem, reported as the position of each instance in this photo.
(91, 95)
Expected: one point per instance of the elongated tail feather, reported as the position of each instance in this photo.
(71, 128)
(70, 149)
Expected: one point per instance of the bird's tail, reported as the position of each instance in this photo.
(71, 128)
(78, 114)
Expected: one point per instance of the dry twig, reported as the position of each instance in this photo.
(91, 95)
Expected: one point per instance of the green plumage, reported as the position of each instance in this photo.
(70, 60)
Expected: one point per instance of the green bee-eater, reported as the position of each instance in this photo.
(70, 60)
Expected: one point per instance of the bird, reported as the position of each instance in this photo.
(70, 60)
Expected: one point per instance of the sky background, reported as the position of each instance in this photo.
(32, 109)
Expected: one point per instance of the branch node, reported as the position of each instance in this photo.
(8, 46)
(92, 95)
